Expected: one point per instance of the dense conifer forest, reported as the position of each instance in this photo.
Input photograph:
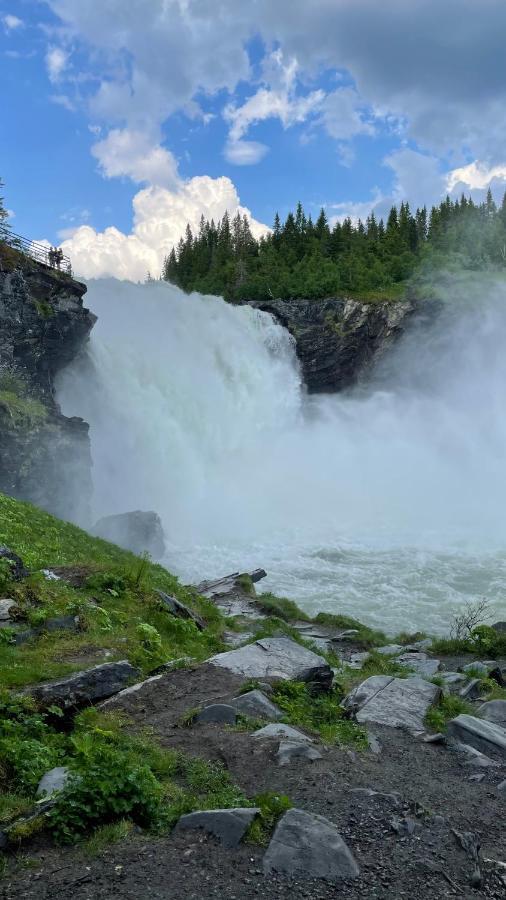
(302, 258)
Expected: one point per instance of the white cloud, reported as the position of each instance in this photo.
(245, 153)
(342, 117)
(56, 62)
(11, 22)
(132, 154)
(475, 175)
(160, 217)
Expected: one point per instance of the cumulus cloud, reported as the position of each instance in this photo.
(132, 154)
(475, 175)
(56, 62)
(244, 153)
(11, 22)
(160, 217)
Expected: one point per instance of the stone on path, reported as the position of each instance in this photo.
(276, 658)
(216, 713)
(452, 681)
(478, 733)
(289, 751)
(419, 662)
(308, 845)
(390, 649)
(397, 702)
(178, 609)
(494, 711)
(257, 706)
(228, 825)
(54, 780)
(5, 609)
(476, 758)
(285, 732)
(86, 687)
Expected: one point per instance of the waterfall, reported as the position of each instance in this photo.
(386, 503)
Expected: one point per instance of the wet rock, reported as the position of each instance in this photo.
(500, 627)
(216, 713)
(397, 702)
(307, 845)
(137, 531)
(7, 607)
(84, 688)
(452, 681)
(228, 825)
(478, 733)
(494, 711)
(54, 780)
(178, 609)
(390, 649)
(276, 658)
(290, 751)
(17, 568)
(256, 705)
(471, 690)
(280, 730)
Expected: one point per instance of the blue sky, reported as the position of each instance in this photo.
(122, 121)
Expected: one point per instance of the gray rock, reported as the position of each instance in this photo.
(276, 658)
(390, 649)
(478, 778)
(256, 705)
(425, 644)
(358, 659)
(17, 567)
(58, 623)
(374, 744)
(86, 687)
(5, 609)
(494, 711)
(500, 627)
(280, 730)
(178, 609)
(54, 780)
(420, 663)
(290, 750)
(218, 713)
(452, 681)
(137, 531)
(228, 584)
(437, 738)
(476, 758)
(403, 826)
(228, 825)
(394, 797)
(502, 787)
(479, 666)
(397, 702)
(471, 690)
(304, 844)
(478, 733)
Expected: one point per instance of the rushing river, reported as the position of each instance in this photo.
(387, 503)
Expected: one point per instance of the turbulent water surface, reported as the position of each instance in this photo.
(388, 504)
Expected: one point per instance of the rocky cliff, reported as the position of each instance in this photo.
(339, 339)
(44, 456)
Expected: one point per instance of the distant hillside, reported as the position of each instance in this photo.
(371, 260)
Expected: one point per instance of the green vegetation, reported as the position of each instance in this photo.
(18, 403)
(483, 641)
(281, 607)
(369, 261)
(448, 707)
(320, 714)
(272, 806)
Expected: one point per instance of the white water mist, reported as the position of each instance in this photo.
(387, 503)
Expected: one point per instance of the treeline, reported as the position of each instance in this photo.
(302, 258)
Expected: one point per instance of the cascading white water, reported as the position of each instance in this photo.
(388, 504)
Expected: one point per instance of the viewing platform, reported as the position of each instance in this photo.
(48, 256)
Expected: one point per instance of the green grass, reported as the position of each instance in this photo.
(321, 715)
(448, 707)
(105, 835)
(368, 637)
(281, 607)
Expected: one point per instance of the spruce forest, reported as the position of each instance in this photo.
(369, 260)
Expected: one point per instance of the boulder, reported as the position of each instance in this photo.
(16, 565)
(475, 758)
(279, 730)
(178, 609)
(502, 787)
(216, 713)
(390, 649)
(228, 584)
(500, 627)
(478, 733)
(419, 662)
(84, 688)
(494, 711)
(398, 702)
(58, 623)
(6, 608)
(480, 666)
(471, 690)
(137, 531)
(257, 706)
(307, 845)
(452, 681)
(276, 658)
(289, 751)
(54, 780)
(228, 825)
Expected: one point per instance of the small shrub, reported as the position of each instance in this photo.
(112, 583)
(322, 714)
(471, 615)
(105, 835)
(245, 582)
(149, 637)
(28, 745)
(272, 806)
(281, 607)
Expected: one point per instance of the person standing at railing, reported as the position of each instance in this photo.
(51, 256)
(58, 257)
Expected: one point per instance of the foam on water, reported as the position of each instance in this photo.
(387, 503)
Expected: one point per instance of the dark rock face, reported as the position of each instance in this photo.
(338, 340)
(138, 531)
(44, 456)
(85, 688)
